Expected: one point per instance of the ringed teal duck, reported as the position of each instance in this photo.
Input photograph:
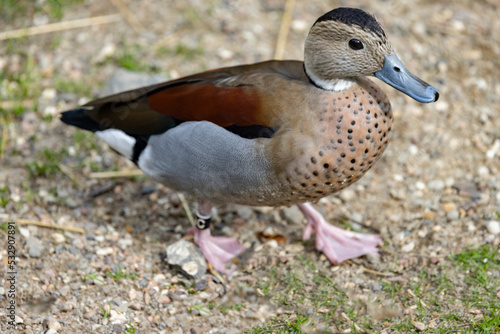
(273, 133)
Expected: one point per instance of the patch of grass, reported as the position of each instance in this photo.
(433, 295)
(19, 87)
(184, 51)
(46, 164)
(130, 329)
(4, 196)
(283, 325)
(30, 195)
(118, 274)
(4, 226)
(129, 57)
(235, 307)
(12, 9)
(188, 52)
(92, 276)
(105, 314)
(79, 87)
(199, 307)
(477, 262)
(85, 140)
(490, 322)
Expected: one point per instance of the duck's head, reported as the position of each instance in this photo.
(347, 43)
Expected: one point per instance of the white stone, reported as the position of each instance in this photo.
(442, 106)
(50, 110)
(436, 185)
(483, 171)
(132, 294)
(159, 278)
(124, 243)
(99, 238)
(357, 217)
(104, 251)
(15, 197)
(493, 227)
(420, 185)
(48, 94)
(347, 195)
(58, 238)
(24, 232)
(299, 25)
(225, 54)
(117, 318)
(55, 325)
(408, 247)
(272, 243)
(494, 150)
(398, 177)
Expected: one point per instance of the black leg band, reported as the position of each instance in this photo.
(202, 223)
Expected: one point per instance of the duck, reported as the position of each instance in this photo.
(274, 133)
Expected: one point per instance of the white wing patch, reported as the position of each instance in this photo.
(118, 140)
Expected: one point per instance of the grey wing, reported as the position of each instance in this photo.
(210, 162)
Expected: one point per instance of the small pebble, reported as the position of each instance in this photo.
(483, 171)
(35, 247)
(377, 286)
(244, 212)
(117, 328)
(104, 251)
(164, 299)
(373, 258)
(493, 227)
(24, 232)
(357, 217)
(453, 215)
(408, 247)
(436, 185)
(117, 318)
(293, 214)
(58, 238)
(187, 258)
(159, 278)
(419, 325)
(55, 325)
(347, 194)
(429, 215)
(449, 207)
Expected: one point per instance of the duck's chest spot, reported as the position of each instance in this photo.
(352, 134)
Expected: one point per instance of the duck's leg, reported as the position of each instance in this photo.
(217, 250)
(337, 244)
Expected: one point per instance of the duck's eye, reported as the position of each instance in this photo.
(355, 44)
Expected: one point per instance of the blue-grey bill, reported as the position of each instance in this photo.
(396, 75)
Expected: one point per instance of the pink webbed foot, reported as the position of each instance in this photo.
(337, 244)
(217, 250)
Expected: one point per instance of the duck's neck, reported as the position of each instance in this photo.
(336, 85)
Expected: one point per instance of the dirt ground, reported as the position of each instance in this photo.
(434, 197)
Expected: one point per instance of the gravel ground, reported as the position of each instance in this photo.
(434, 196)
